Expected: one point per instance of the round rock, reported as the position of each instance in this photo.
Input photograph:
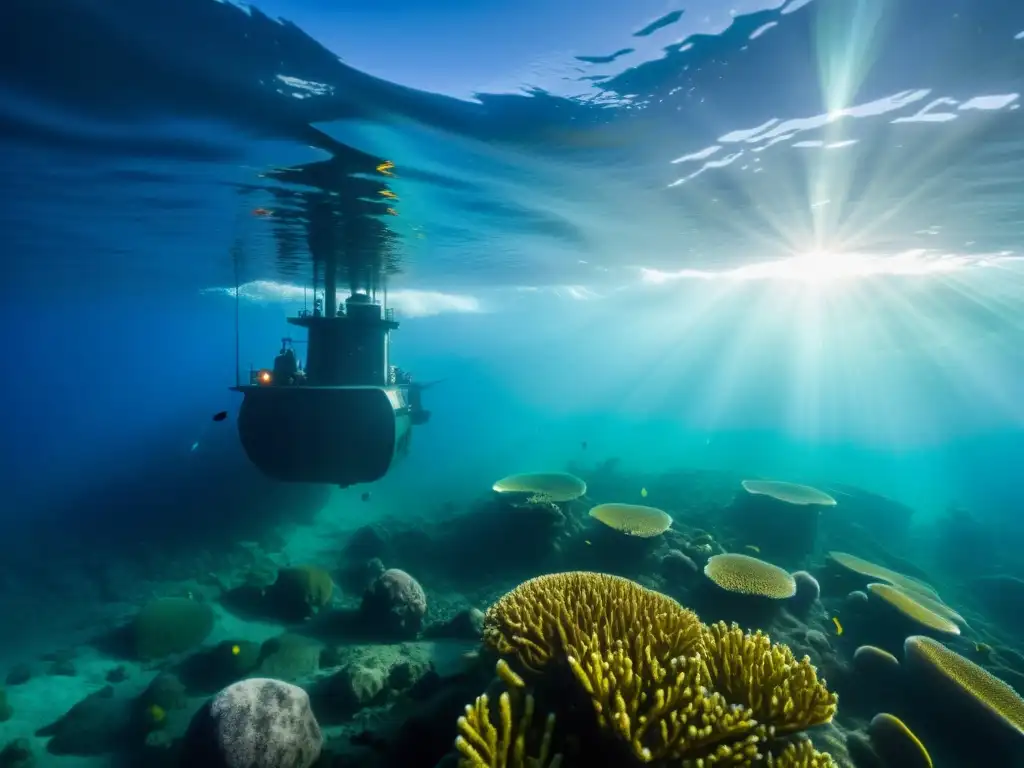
(256, 723)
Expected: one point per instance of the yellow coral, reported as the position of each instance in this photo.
(800, 755)
(572, 614)
(914, 608)
(669, 687)
(967, 679)
(482, 744)
(869, 658)
(666, 711)
(863, 567)
(633, 519)
(781, 692)
(508, 675)
(556, 486)
(933, 605)
(748, 575)
(896, 743)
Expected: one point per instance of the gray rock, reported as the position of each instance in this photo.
(361, 684)
(395, 604)
(256, 723)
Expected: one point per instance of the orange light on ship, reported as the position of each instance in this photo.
(264, 377)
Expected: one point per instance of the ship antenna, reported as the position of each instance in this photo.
(236, 255)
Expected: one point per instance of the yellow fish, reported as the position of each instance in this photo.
(839, 627)
(752, 548)
(643, 492)
(385, 168)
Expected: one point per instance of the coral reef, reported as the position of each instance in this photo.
(661, 683)
(582, 629)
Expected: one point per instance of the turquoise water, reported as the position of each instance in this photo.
(663, 249)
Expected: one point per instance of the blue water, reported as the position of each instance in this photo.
(773, 239)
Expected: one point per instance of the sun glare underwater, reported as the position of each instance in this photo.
(512, 385)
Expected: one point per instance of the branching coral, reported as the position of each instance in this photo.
(783, 693)
(666, 711)
(574, 614)
(512, 743)
(801, 754)
(670, 688)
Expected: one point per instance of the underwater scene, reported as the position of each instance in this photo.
(509, 384)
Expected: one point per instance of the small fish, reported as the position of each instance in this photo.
(643, 492)
(752, 548)
(587, 542)
(391, 212)
(235, 650)
(262, 212)
(839, 627)
(220, 415)
(195, 446)
(365, 496)
(388, 194)
(982, 648)
(386, 168)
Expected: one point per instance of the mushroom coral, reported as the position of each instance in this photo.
(633, 519)
(789, 493)
(915, 609)
(780, 518)
(747, 575)
(862, 567)
(660, 682)
(966, 681)
(896, 743)
(551, 486)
